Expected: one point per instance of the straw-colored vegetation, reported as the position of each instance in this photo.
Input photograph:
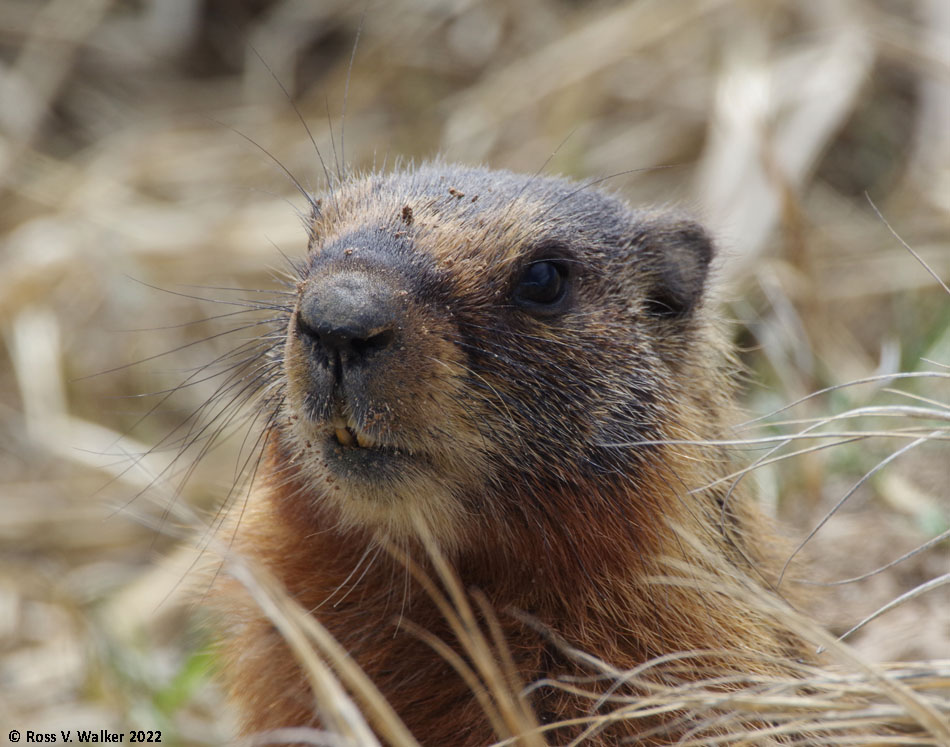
(144, 151)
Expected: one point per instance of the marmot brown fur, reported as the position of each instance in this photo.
(527, 372)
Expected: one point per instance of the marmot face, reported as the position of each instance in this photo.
(462, 337)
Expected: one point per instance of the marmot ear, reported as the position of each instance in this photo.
(675, 256)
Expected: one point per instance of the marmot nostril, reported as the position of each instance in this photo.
(351, 314)
(364, 345)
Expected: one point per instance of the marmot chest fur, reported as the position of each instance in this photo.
(524, 374)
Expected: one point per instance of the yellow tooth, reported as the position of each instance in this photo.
(344, 436)
(363, 440)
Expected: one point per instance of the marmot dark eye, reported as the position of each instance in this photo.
(543, 283)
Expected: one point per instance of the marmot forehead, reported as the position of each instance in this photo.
(467, 220)
(475, 209)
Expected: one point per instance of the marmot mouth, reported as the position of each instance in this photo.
(352, 438)
(354, 455)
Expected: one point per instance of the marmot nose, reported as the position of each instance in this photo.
(349, 316)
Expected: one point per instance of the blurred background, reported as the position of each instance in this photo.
(143, 145)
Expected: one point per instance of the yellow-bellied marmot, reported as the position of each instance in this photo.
(526, 372)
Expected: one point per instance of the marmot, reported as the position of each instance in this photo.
(525, 372)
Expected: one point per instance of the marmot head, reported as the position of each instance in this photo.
(465, 342)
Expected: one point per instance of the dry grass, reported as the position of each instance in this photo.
(849, 700)
(128, 198)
